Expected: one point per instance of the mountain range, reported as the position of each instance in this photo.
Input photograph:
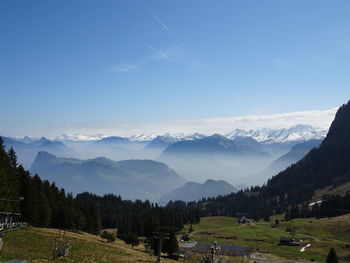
(300, 132)
(193, 191)
(27, 148)
(197, 157)
(215, 144)
(161, 142)
(295, 133)
(132, 179)
(112, 140)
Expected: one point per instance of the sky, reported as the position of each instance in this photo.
(124, 67)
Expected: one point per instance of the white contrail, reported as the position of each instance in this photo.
(160, 53)
(162, 24)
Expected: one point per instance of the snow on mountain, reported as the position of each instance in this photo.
(144, 137)
(295, 133)
(174, 137)
(79, 137)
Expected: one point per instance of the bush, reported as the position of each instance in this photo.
(108, 236)
(132, 239)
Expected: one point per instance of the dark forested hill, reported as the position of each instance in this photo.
(131, 179)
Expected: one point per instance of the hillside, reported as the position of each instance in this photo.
(35, 244)
(132, 179)
(322, 234)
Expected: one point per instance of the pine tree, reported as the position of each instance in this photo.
(171, 245)
(13, 157)
(332, 256)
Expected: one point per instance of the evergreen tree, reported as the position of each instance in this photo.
(332, 256)
(13, 157)
(170, 245)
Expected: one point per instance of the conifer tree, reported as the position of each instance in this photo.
(332, 256)
(13, 157)
(170, 245)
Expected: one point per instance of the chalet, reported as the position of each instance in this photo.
(289, 241)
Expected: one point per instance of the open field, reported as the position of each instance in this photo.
(336, 228)
(322, 234)
(34, 245)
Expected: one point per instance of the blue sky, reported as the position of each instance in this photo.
(100, 65)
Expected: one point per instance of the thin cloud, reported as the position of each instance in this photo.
(166, 28)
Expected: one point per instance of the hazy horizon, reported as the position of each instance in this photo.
(316, 118)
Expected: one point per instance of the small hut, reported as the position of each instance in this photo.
(289, 241)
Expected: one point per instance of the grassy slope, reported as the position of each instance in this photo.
(322, 234)
(34, 244)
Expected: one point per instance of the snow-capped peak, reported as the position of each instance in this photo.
(172, 136)
(79, 137)
(298, 132)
